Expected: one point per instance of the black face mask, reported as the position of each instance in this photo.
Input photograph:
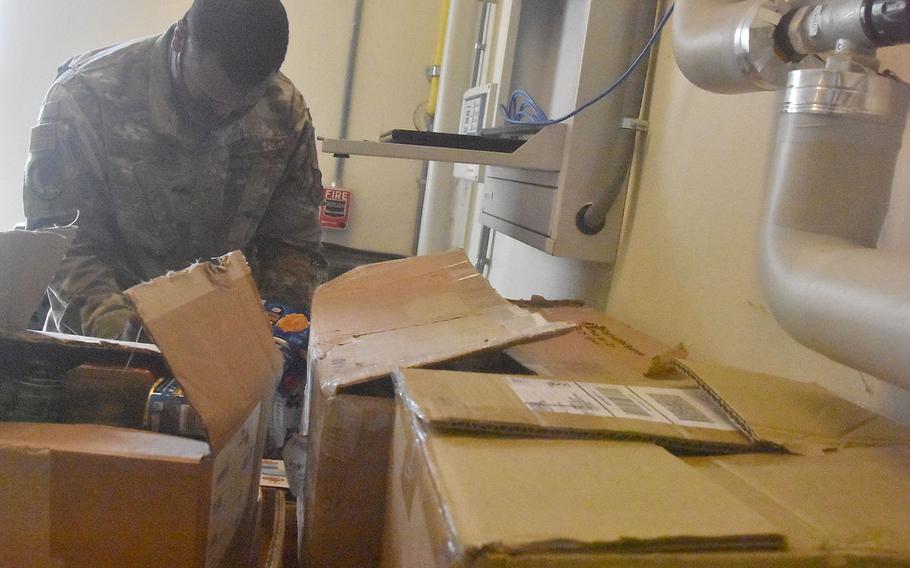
(199, 111)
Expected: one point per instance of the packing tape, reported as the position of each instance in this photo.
(25, 509)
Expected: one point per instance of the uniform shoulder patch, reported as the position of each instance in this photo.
(44, 137)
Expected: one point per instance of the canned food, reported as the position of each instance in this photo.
(168, 411)
(37, 395)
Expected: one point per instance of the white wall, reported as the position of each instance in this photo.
(398, 41)
(36, 36)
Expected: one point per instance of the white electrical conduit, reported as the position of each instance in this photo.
(838, 137)
(592, 218)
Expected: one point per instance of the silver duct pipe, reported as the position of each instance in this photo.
(838, 136)
(727, 46)
(831, 177)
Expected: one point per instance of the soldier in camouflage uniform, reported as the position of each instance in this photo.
(172, 149)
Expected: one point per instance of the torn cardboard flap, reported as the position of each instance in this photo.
(411, 312)
(678, 418)
(801, 417)
(227, 361)
(29, 260)
(394, 293)
(599, 347)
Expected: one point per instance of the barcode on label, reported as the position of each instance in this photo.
(621, 402)
(680, 407)
(620, 399)
(686, 407)
(555, 396)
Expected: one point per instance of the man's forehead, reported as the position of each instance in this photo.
(212, 77)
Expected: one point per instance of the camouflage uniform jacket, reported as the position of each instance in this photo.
(153, 197)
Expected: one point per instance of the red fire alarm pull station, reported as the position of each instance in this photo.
(335, 211)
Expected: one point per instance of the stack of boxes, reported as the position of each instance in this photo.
(443, 426)
(608, 449)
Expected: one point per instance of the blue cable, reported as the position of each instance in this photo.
(539, 117)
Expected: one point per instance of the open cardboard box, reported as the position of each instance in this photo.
(722, 410)
(459, 496)
(366, 323)
(92, 495)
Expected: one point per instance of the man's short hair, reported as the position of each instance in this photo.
(248, 37)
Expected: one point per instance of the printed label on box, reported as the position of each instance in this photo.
(274, 474)
(684, 407)
(556, 396)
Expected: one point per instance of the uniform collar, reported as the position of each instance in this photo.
(161, 95)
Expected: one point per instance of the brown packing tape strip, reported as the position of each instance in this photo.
(769, 506)
(447, 545)
(25, 522)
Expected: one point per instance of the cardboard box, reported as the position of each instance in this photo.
(460, 498)
(91, 495)
(721, 410)
(366, 323)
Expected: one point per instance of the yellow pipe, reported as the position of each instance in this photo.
(437, 62)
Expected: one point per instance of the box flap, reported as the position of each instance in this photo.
(29, 260)
(854, 502)
(600, 346)
(566, 408)
(209, 323)
(528, 496)
(802, 417)
(411, 312)
(101, 440)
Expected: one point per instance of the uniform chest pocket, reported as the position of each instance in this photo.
(155, 208)
(252, 161)
(255, 167)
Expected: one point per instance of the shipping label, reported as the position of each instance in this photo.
(681, 406)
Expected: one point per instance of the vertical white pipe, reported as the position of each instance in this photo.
(436, 220)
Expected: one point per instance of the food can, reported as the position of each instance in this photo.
(35, 395)
(168, 411)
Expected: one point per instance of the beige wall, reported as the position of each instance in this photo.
(398, 42)
(35, 37)
(688, 265)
